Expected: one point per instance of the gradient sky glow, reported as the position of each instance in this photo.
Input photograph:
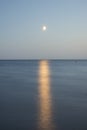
(21, 35)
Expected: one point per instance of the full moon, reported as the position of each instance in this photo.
(44, 28)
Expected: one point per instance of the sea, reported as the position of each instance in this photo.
(43, 94)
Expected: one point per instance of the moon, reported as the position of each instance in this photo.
(44, 28)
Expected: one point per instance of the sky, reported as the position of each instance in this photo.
(21, 35)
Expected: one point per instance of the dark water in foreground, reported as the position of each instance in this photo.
(43, 95)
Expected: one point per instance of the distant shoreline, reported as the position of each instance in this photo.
(43, 59)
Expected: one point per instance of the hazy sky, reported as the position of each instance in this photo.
(21, 34)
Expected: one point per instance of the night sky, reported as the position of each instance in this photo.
(22, 37)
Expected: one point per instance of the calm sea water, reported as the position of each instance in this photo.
(43, 95)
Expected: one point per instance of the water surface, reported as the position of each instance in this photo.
(37, 95)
